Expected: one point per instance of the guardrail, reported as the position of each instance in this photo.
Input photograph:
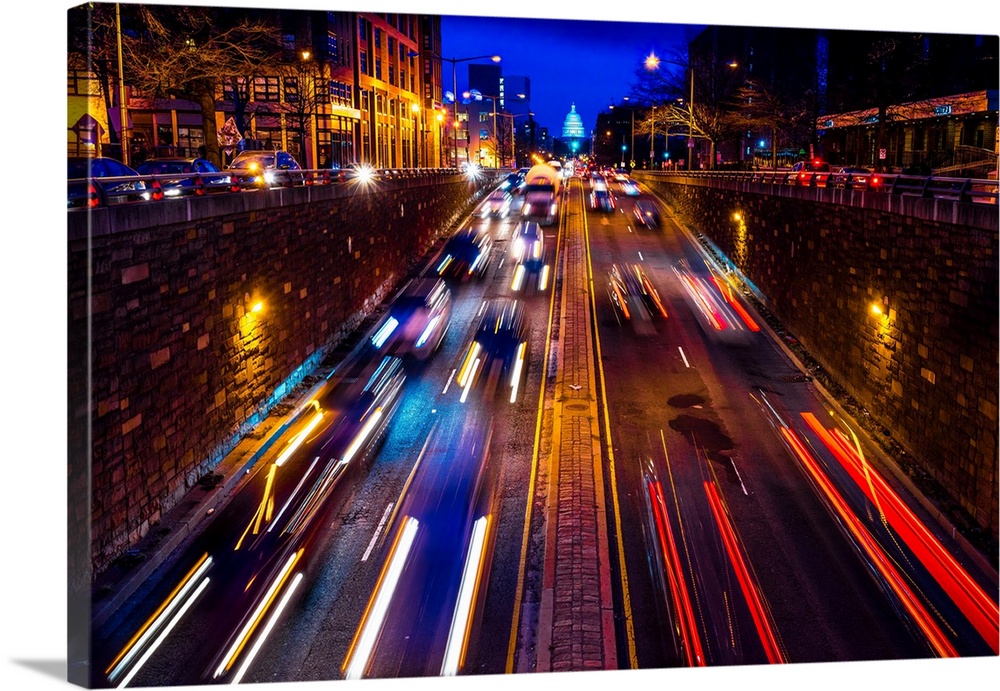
(90, 193)
(970, 190)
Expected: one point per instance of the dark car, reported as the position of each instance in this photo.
(466, 254)
(633, 294)
(95, 181)
(186, 176)
(602, 200)
(528, 248)
(266, 169)
(646, 212)
(814, 172)
(417, 320)
(499, 346)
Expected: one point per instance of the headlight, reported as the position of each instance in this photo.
(269, 176)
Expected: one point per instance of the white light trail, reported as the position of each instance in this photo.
(373, 624)
(466, 597)
(267, 629)
(448, 384)
(684, 357)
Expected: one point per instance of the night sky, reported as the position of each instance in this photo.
(591, 63)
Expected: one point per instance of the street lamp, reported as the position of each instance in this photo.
(454, 91)
(479, 96)
(652, 64)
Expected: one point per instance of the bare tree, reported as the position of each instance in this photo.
(92, 49)
(189, 55)
(758, 107)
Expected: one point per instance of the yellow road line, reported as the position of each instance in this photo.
(519, 591)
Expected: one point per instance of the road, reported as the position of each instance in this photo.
(741, 520)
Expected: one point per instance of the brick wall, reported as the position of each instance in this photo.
(927, 367)
(180, 364)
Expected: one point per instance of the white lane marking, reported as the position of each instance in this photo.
(378, 531)
(640, 257)
(686, 363)
(739, 476)
(452, 376)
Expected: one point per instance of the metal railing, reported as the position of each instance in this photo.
(970, 190)
(90, 193)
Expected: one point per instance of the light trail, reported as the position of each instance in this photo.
(751, 592)
(980, 609)
(258, 644)
(876, 556)
(149, 628)
(461, 623)
(360, 650)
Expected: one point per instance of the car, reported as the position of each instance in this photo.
(630, 188)
(499, 346)
(86, 188)
(646, 212)
(191, 176)
(853, 177)
(814, 172)
(528, 248)
(466, 254)
(265, 169)
(602, 200)
(633, 294)
(417, 320)
(513, 183)
(497, 204)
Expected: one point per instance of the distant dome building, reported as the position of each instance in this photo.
(574, 136)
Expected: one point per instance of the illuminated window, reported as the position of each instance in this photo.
(265, 89)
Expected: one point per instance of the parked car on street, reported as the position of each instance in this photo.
(814, 172)
(266, 169)
(186, 176)
(97, 180)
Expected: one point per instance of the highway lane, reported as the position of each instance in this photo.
(767, 569)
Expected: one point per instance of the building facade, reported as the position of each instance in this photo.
(362, 87)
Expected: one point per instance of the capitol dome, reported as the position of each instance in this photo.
(573, 125)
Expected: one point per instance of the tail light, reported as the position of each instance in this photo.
(157, 193)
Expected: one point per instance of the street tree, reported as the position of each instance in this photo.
(189, 55)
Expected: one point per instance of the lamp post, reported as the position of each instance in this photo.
(415, 109)
(454, 91)
(653, 63)
(652, 136)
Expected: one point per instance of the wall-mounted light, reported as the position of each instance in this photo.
(876, 310)
(252, 305)
(257, 306)
(737, 216)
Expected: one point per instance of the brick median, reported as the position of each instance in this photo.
(576, 618)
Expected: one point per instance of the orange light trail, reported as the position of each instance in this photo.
(727, 293)
(967, 594)
(935, 637)
(678, 588)
(757, 610)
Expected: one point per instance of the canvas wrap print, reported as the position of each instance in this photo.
(396, 351)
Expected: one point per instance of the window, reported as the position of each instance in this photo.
(402, 51)
(378, 68)
(239, 84)
(392, 46)
(392, 74)
(378, 37)
(288, 41)
(364, 62)
(190, 139)
(80, 83)
(332, 47)
(265, 89)
(291, 89)
(340, 92)
(484, 117)
(484, 133)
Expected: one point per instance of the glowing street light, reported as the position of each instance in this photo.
(454, 91)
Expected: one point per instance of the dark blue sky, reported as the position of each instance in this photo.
(591, 63)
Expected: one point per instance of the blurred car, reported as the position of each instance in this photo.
(466, 254)
(497, 204)
(513, 183)
(646, 212)
(266, 169)
(853, 177)
(633, 295)
(187, 172)
(86, 187)
(630, 188)
(417, 320)
(814, 172)
(499, 347)
(602, 200)
(528, 248)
